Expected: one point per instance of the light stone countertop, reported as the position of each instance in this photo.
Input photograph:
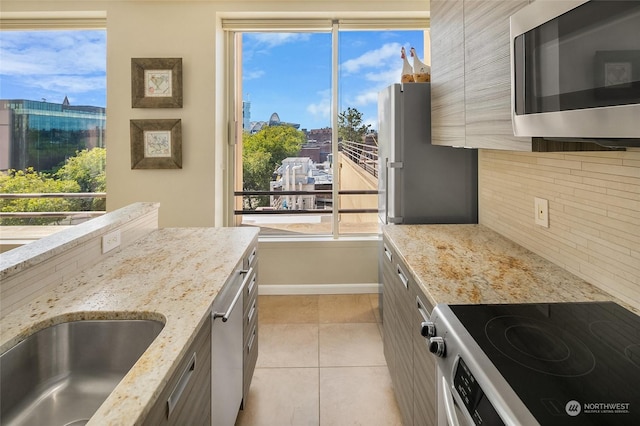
(462, 264)
(172, 275)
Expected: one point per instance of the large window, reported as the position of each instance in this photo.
(306, 148)
(52, 122)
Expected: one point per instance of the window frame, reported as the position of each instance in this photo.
(58, 21)
(232, 27)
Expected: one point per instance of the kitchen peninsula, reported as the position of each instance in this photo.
(171, 275)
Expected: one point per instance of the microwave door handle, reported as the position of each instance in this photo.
(519, 77)
(450, 409)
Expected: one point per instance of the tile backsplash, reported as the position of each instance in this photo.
(594, 211)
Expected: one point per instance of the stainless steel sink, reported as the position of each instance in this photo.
(62, 374)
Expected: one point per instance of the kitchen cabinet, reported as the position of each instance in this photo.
(250, 320)
(470, 74)
(424, 365)
(235, 340)
(186, 399)
(411, 366)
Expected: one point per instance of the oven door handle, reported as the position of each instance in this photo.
(450, 409)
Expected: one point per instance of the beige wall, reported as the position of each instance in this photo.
(193, 195)
(594, 211)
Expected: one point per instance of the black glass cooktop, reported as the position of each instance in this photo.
(570, 363)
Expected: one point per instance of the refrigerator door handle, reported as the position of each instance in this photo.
(386, 192)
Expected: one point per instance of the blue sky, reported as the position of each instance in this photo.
(54, 64)
(287, 73)
(290, 73)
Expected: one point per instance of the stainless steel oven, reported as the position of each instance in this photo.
(551, 364)
(575, 70)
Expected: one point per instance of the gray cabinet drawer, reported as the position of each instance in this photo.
(189, 387)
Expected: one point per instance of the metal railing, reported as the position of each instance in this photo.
(303, 211)
(364, 155)
(56, 214)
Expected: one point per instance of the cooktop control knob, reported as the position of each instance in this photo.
(437, 346)
(428, 329)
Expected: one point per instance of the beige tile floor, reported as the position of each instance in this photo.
(320, 362)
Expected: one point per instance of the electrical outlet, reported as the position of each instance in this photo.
(542, 212)
(110, 241)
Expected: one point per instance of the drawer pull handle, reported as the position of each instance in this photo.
(181, 385)
(387, 253)
(253, 338)
(403, 277)
(251, 285)
(422, 309)
(225, 315)
(251, 312)
(252, 256)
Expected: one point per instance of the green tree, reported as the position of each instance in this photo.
(88, 169)
(262, 153)
(31, 181)
(350, 127)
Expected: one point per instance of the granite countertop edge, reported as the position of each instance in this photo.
(16, 260)
(472, 264)
(172, 275)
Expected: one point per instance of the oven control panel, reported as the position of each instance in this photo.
(472, 396)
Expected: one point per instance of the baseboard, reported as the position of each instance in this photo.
(300, 289)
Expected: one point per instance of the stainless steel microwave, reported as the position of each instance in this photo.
(575, 69)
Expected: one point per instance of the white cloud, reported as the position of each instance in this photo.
(270, 40)
(66, 85)
(371, 121)
(372, 59)
(386, 76)
(54, 64)
(322, 108)
(252, 75)
(366, 98)
(46, 53)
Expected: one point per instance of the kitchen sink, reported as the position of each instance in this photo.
(61, 375)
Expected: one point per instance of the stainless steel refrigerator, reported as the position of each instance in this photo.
(419, 182)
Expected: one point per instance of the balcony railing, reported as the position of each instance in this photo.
(56, 214)
(269, 211)
(364, 155)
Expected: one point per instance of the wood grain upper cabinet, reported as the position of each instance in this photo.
(470, 81)
(447, 73)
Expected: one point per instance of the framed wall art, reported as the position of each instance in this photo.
(156, 82)
(156, 144)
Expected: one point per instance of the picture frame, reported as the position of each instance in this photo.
(617, 74)
(156, 144)
(156, 82)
